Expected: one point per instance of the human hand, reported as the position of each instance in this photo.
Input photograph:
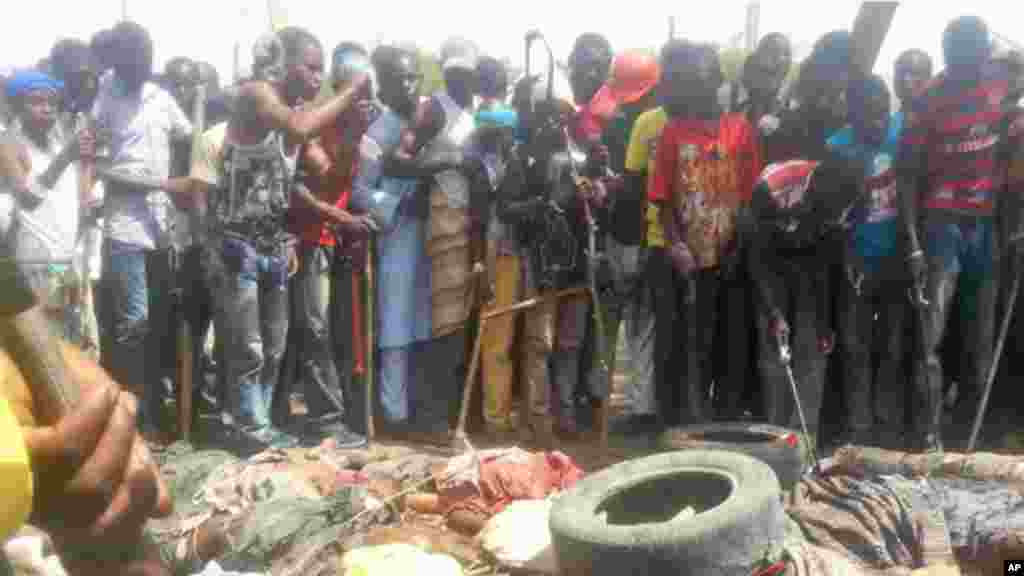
(86, 145)
(779, 329)
(826, 344)
(682, 259)
(293, 262)
(918, 270)
(95, 480)
(352, 225)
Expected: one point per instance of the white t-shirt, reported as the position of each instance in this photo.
(142, 128)
(53, 223)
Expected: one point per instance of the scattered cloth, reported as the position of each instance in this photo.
(519, 537)
(400, 559)
(880, 524)
(488, 481)
(860, 460)
(247, 514)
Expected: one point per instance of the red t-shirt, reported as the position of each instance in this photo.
(707, 170)
(307, 223)
(951, 135)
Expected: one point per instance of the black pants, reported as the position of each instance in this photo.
(874, 308)
(798, 286)
(440, 365)
(686, 313)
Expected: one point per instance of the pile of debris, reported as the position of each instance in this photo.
(384, 510)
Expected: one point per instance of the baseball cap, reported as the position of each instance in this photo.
(459, 53)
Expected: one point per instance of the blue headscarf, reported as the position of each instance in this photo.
(25, 81)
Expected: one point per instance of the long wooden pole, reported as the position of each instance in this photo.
(371, 340)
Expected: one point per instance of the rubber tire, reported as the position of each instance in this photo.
(785, 460)
(726, 540)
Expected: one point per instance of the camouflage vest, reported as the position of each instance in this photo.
(256, 192)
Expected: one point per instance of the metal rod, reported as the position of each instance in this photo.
(993, 369)
(787, 361)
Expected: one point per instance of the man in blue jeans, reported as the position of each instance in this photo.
(143, 121)
(244, 178)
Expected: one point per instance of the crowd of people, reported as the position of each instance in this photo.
(742, 233)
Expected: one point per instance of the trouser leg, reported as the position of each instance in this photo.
(126, 307)
(344, 290)
(498, 339)
(274, 316)
(891, 385)
(981, 331)
(440, 375)
(944, 243)
(857, 312)
(732, 354)
(776, 395)
(571, 330)
(323, 393)
(640, 339)
(395, 372)
(809, 362)
(243, 350)
(667, 360)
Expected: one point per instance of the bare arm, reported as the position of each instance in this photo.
(267, 106)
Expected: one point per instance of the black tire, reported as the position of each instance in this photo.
(769, 444)
(622, 519)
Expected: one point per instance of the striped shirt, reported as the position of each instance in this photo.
(951, 139)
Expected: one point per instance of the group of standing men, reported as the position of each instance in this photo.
(740, 236)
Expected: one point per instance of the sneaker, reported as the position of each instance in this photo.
(344, 438)
(264, 438)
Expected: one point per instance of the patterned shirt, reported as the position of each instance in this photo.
(951, 139)
(707, 171)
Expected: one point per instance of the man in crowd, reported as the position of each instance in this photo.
(631, 87)
(757, 94)
(953, 189)
(144, 121)
(543, 201)
(496, 125)
(403, 273)
(873, 293)
(327, 233)
(76, 67)
(799, 133)
(707, 163)
(455, 258)
(41, 173)
(245, 172)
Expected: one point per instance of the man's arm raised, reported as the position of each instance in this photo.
(264, 103)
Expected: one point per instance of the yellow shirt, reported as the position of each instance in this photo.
(15, 473)
(641, 157)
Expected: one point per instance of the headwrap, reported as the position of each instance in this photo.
(24, 81)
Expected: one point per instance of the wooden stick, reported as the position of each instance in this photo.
(186, 365)
(474, 363)
(371, 340)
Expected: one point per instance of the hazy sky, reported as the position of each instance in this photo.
(208, 29)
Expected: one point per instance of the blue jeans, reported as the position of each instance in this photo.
(136, 286)
(253, 290)
(959, 251)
